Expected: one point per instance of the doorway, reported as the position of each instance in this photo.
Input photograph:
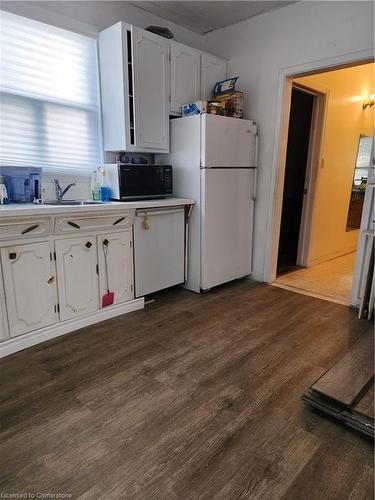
(326, 148)
(301, 111)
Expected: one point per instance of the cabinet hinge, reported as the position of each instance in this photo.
(58, 308)
(131, 287)
(54, 255)
(55, 308)
(97, 269)
(50, 256)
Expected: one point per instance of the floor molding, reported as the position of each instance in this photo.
(24, 341)
(311, 294)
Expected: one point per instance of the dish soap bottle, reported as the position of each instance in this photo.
(104, 189)
(95, 185)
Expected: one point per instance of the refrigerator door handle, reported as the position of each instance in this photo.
(255, 178)
(256, 149)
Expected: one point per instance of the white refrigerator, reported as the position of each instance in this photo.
(214, 160)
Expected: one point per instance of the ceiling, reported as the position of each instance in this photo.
(204, 16)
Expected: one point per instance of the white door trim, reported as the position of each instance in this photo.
(280, 141)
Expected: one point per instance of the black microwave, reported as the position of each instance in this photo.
(128, 181)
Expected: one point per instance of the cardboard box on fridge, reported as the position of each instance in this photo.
(231, 103)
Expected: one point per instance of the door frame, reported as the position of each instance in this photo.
(284, 92)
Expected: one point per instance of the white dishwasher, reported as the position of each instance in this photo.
(159, 249)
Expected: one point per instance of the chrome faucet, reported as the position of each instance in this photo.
(59, 191)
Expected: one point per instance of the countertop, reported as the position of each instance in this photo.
(31, 209)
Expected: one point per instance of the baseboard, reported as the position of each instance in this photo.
(256, 277)
(21, 342)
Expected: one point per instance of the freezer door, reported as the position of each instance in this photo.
(227, 225)
(227, 142)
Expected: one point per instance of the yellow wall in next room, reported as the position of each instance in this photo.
(345, 121)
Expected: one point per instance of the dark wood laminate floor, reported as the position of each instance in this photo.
(196, 397)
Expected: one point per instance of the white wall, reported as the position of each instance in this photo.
(88, 18)
(259, 50)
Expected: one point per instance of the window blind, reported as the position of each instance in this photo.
(49, 97)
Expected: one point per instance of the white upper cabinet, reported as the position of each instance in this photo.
(134, 74)
(144, 78)
(76, 261)
(151, 90)
(30, 287)
(213, 70)
(185, 76)
(114, 88)
(115, 258)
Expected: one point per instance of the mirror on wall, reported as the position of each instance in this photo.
(359, 182)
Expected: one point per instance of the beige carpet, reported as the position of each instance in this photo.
(331, 280)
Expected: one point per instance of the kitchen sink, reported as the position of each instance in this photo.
(72, 202)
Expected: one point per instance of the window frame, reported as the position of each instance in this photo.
(40, 105)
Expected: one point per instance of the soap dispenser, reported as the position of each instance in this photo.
(3, 190)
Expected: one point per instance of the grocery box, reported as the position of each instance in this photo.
(231, 103)
(194, 108)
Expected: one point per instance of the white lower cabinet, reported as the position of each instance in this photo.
(115, 258)
(4, 332)
(159, 237)
(55, 270)
(30, 287)
(3, 329)
(77, 279)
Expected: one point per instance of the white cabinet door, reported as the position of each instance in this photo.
(115, 257)
(159, 246)
(76, 261)
(185, 76)
(151, 89)
(213, 70)
(4, 332)
(114, 87)
(30, 287)
(3, 324)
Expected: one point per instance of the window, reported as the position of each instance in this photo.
(49, 97)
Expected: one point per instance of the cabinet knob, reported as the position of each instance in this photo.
(12, 256)
(88, 244)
